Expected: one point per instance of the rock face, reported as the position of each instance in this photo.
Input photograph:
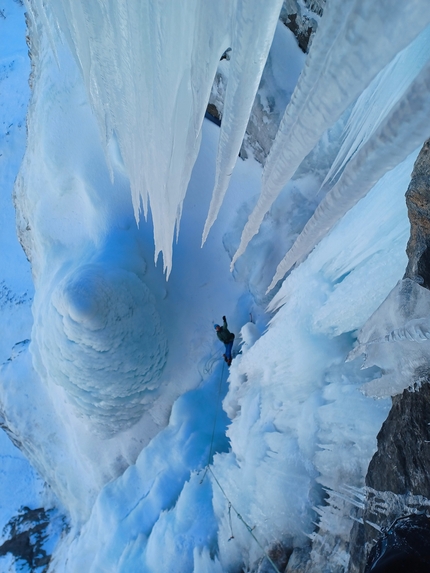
(301, 17)
(398, 477)
(28, 538)
(418, 202)
(402, 463)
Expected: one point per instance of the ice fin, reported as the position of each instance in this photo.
(404, 352)
(339, 66)
(399, 135)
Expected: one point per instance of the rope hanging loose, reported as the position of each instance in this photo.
(248, 527)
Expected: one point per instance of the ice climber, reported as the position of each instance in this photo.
(227, 337)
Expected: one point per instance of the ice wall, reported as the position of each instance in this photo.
(405, 127)
(99, 333)
(378, 99)
(299, 429)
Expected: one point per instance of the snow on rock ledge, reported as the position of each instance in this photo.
(100, 337)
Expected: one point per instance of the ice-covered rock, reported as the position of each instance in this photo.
(301, 17)
(397, 339)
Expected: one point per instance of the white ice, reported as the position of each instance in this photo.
(252, 36)
(399, 329)
(373, 105)
(288, 426)
(338, 68)
(405, 128)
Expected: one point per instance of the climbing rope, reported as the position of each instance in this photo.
(230, 505)
(214, 424)
(248, 527)
(229, 521)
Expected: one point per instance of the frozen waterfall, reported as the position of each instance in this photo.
(149, 68)
(355, 40)
(112, 379)
(165, 102)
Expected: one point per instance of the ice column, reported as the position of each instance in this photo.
(104, 345)
(402, 132)
(354, 41)
(251, 40)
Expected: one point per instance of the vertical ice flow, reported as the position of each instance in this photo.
(339, 66)
(407, 126)
(373, 105)
(252, 37)
(148, 68)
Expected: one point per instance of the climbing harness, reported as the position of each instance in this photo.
(230, 505)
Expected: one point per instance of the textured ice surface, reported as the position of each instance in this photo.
(105, 344)
(338, 68)
(158, 516)
(397, 339)
(377, 100)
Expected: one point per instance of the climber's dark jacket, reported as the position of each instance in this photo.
(224, 334)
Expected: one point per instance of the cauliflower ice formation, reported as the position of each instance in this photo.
(99, 336)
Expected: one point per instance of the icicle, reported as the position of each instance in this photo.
(149, 66)
(355, 40)
(374, 104)
(401, 133)
(253, 33)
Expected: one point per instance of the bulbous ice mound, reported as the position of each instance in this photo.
(101, 339)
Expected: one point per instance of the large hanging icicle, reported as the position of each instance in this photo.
(251, 41)
(148, 66)
(407, 126)
(355, 40)
(374, 104)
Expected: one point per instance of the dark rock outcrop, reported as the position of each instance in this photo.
(418, 203)
(27, 535)
(402, 463)
(398, 478)
(301, 17)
